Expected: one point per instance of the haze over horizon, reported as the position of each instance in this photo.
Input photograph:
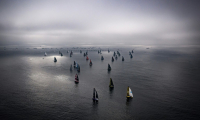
(100, 22)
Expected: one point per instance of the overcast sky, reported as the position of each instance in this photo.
(100, 21)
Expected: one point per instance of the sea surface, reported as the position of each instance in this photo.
(165, 81)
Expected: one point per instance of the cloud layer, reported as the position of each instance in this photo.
(101, 21)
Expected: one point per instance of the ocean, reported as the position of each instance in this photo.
(165, 82)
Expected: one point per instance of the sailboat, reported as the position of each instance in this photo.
(87, 58)
(95, 96)
(116, 57)
(80, 51)
(131, 56)
(129, 93)
(132, 51)
(114, 53)
(111, 85)
(112, 59)
(70, 54)
(76, 78)
(122, 58)
(55, 60)
(108, 50)
(109, 68)
(90, 63)
(102, 58)
(61, 54)
(119, 54)
(45, 54)
(84, 54)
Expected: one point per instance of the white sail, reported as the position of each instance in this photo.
(130, 92)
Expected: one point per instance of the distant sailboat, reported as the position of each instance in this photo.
(87, 58)
(109, 68)
(55, 60)
(45, 54)
(129, 93)
(114, 53)
(61, 54)
(108, 50)
(80, 51)
(76, 78)
(84, 54)
(132, 51)
(95, 95)
(111, 85)
(90, 63)
(112, 59)
(116, 57)
(122, 58)
(118, 53)
(131, 56)
(102, 58)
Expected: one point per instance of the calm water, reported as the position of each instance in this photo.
(164, 80)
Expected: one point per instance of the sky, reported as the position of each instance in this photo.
(100, 22)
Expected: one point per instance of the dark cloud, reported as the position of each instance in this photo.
(113, 21)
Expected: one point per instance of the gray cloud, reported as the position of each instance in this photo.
(101, 21)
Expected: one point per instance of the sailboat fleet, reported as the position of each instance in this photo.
(111, 84)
